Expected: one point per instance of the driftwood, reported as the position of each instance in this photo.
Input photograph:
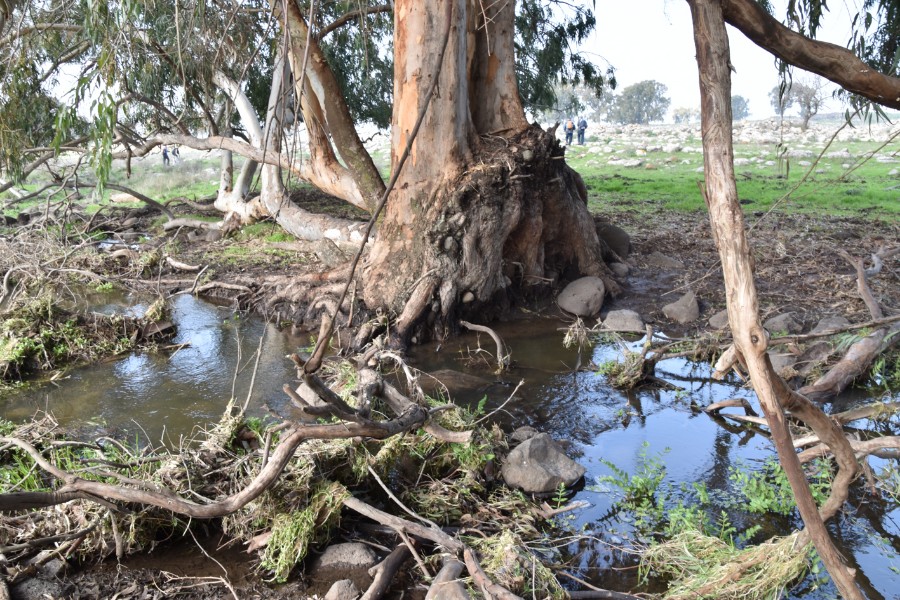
(860, 356)
(383, 573)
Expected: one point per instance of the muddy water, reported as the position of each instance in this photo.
(167, 396)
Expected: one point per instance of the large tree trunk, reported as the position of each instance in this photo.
(485, 207)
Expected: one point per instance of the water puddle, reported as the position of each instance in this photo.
(165, 396)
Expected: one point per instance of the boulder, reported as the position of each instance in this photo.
(351, 555)
(783, 323)
(616, 238)
(829, 323)
(583, 297)
(538, 466)
(343, 589)
(685, 310)
(719, 320)
(623, 320)
(660, 260)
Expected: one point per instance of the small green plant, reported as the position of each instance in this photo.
(641, 489)
(560, 497)
(768, 490)
(104, 287)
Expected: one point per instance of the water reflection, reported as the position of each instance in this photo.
(171, 393)
(168, 395)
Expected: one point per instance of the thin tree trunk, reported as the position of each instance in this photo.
(713, 58)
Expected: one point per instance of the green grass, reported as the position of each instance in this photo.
(670, 181)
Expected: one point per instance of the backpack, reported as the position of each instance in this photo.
(570, 125)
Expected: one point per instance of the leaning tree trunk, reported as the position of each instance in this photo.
(485, 208)
(727, 219)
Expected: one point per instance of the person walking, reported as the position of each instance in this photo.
(165, 156)
(582, 125)
(570, 130)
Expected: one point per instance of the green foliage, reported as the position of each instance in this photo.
(293, 533)
(768, 490)
(640, 490)
(641, 103)
(546, 33)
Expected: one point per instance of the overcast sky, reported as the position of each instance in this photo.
(653, 39)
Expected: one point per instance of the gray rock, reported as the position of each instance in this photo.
(452, 381)
(830, 323)
(307, 393)
(523, 433)
(54, 568)
(344, 589)
(685, 310)
(783, 323)
(539, 466)
(619, 269)
(658, 259)
(782, 362)
(719, 320)
(37, 589)
(583, 297)
(213, 235)
(623, 320)
(616, 238)
(351, 555)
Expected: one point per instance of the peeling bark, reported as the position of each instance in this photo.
(726, 216)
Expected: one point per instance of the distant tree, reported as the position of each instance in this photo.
(684, 115)
(808, 96)
(640, 103)
(740, 108)
(781, 100)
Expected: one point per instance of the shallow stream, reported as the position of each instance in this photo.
(167, 396)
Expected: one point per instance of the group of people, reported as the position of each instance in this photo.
(165, 154)
(570, 128)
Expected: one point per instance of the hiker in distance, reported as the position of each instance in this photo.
(569, 129)
(582, 125)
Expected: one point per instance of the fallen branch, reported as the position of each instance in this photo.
(502, 354)
(383, 573)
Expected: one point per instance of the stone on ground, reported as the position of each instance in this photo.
(538, 466)
(583, 297)
(685, 310)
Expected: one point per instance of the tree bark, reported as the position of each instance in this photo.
(713, 58)
(832, 62)
(486, 209)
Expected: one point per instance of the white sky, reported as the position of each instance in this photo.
(653, 39)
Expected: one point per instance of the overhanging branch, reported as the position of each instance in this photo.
(831, 61)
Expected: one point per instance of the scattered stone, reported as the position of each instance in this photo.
(894, 172)
(623, 320)
(343, 589)
(685, 310)
(213, 235)
(583, 297)
(616, 238)
(658, 259)
(619, 269)
(783, 363)
(350, 555)
(538, 466)
(307, 393)
(523, 433)
(719, 320)
(829, 323)
(783, 323)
